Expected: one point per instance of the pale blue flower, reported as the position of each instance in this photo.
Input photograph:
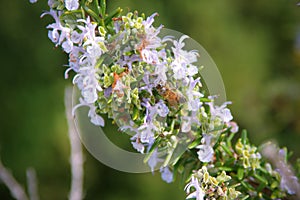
(53, 35)
(160, 73)
(154, 160)
(148, 84)
(187, 121)
(149, 21)
(67, 46)
(166, 174)
(128, 60)
(58, 33)
(193, 97)
(51, 3)
(234, 128)
(288, 181)
(162, 109)
(71, 4)
(138, 146)
(32, 1)
(76, 37)
(147, 133)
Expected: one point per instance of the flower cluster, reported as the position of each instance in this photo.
(150, 86)
(210, 187)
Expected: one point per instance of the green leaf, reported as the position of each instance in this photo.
(240, 173)
(227, 169)
(91, 13)
(103, 7)
(260, 179)
(226, 149)
(194, 143)
(136, 113)
(244, 137)
(247, 186)
(228, 141)
(153, 147)
(113, 14)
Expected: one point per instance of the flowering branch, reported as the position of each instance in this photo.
(76, 158)
(150, 86)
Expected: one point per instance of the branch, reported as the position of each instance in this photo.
(12, 184)
(32, 184)
(76, 151)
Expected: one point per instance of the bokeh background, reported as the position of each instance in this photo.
(255, 44)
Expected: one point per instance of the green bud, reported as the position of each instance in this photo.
(102, 31)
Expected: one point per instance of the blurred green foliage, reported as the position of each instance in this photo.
(254, 44)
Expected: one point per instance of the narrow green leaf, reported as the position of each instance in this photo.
(226, 149)
(261, 179)
(245, 197)
(194, 143)
(103, 7)
(227, 169)
(92, 13)
(136, 113)
(228, 141)
(240, 173)
(247, 186)
(153, 147)
(244, 137)
(112, 14)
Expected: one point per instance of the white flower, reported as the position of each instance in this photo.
(186, 124)
(179, 71)
(138, 146)
(198, 193)
(192, 70)
(205, 153)
(89, 94)
(95, 118)
(221, 111)
(187, 121)
(182, 57)
(32, 1)
(71, 4)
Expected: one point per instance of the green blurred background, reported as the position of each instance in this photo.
(255, 44)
